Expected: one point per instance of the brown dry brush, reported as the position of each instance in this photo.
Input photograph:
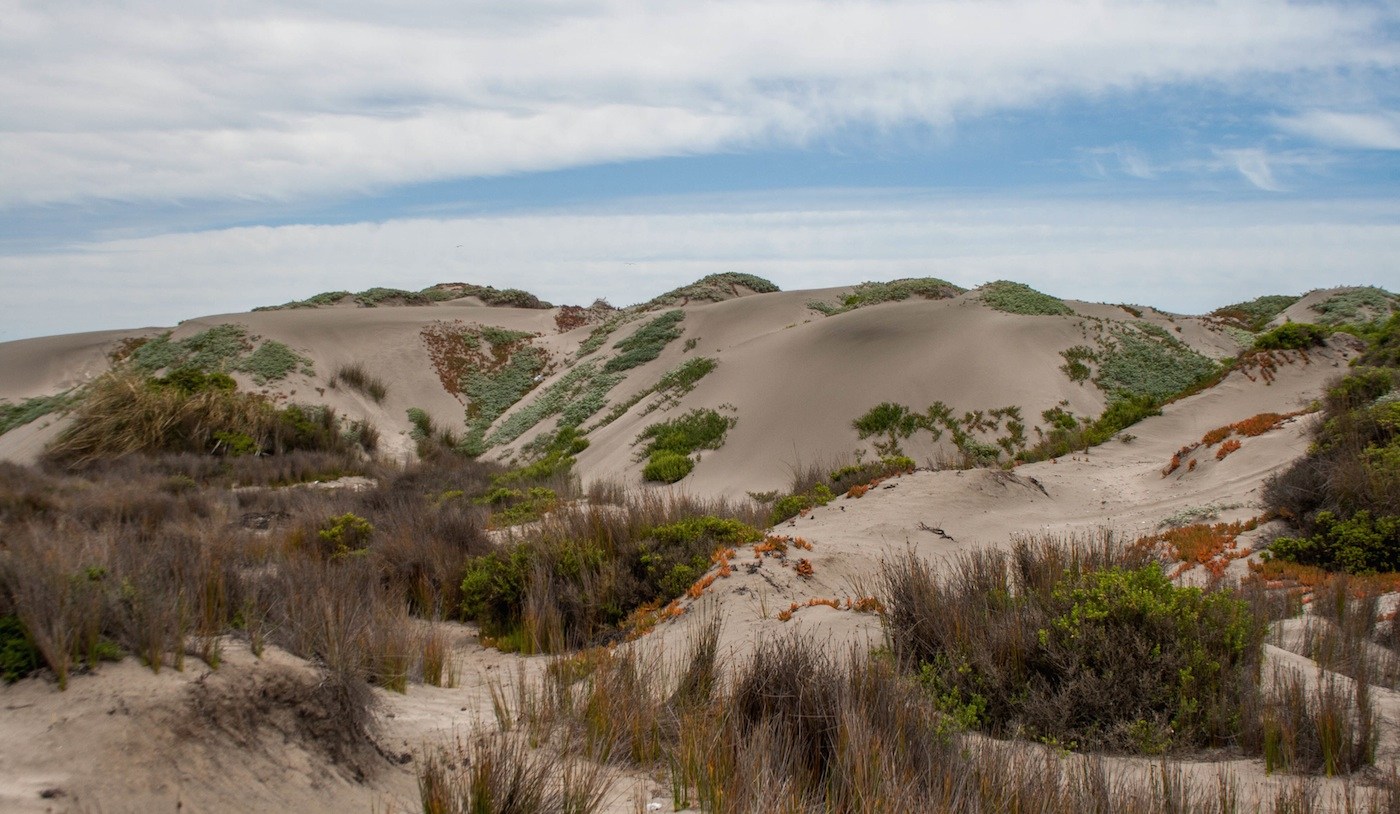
(802, 729)
(139, 556)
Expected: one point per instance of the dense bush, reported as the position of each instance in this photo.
(1082, 646)
(714, 288)
(1343, 495)
(665, 466)
(577, 579)
(1292, 336)
(1255, 314)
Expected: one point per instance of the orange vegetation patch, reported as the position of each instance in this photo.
(1226, 448)
(801, 543)
(858, 491)
(773, 545)
(643, 619)
(1249, 427)
(1304, 579)
(863, 604)
(1213, 546)
(804, 568)
(1178, 458)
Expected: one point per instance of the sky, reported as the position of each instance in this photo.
(163, 160)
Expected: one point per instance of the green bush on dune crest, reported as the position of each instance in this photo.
(1018, 298)
(872, 293)
(713, 288)
(224, 348)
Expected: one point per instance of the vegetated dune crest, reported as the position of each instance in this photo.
(790, 376)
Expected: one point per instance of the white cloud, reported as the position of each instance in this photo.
(1255, 165)
(1379, 131)
(1184, 258)
(160, 100)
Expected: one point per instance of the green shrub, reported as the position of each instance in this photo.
(646, 343)
(1075, 358)
(1018, 298)
(220, 349)
(1292, 336)
(894, 421)
(1085, 648)
(1139, 365)
(347, 535)
(713, 288)
(665, 466)
(701, 428)
(18, 655)
(872, 293)
(794, 504)
(1254, 315)
(1359, 544)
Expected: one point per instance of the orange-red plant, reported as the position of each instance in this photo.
(804, 568)
(858, 491)
(1226, 448)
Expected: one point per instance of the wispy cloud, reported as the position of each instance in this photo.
(1188, 259)
(1256, 166)
(279, 100)
(1367, 131)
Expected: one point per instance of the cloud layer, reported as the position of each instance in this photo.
(159, 100)
(1186, 258)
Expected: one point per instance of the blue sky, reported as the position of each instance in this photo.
(159, 161)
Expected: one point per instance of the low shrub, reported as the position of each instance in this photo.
(872, 293)
(1292, 336)
(665, 466)
(18, 655)
(1255, 315)
(713, 288)
(1018, 298)
(1084, 645)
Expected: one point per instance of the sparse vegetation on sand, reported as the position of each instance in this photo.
(1018, 298)
(1357, 305)
(355, 377)
(1256, 314)
(646, 343)
(897, 422)
(224, 348)
(33, 409)
(872, 293)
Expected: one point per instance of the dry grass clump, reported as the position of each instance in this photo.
(355, 377)
(156, 558)
(799, 727)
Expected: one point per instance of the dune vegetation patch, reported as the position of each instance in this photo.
(491, 368)
(1292, 336)
(188, 411)
(1256, 314)
(224, 348)
(1018, 298)
(1357, 305)
(33, 409)
(713, 288)
(974, 434)
(872, 293)
(646, 343)
(670, 444)
(441, 292)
